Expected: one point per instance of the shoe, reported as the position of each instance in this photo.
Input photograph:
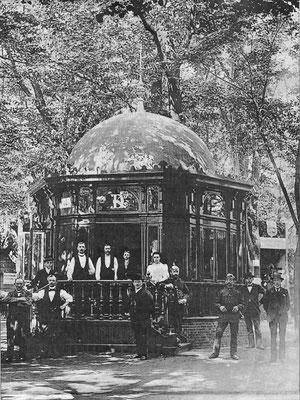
(8, 360)
(234, 357)
(143, 358)
(260, 347)
(214, 355)
(22, 359)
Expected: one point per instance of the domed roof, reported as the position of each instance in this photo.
(139, 140)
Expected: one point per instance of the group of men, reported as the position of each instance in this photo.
(81, 267)
(51, 302)
(233, 303)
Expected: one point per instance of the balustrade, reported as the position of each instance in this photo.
(109, 300)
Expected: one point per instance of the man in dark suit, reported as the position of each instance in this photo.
(277, 303)
(251, 294)
(229, 302)
(141, 310)
(41, 278)
(177, 297)
(126, 268)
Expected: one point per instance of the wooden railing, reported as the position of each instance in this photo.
(109, 300)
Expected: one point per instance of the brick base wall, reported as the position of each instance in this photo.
(200, 332)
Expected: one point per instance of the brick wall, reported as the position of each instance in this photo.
(200, 332)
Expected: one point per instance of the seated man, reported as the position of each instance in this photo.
(177, 297)
(52, 302)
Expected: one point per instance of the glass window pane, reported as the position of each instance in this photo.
(214, 204)
(233, 246)
(208, 253)
(153, 244)
(221, 254)
(192, 273)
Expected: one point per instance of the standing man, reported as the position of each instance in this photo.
(157, 271)
(178, 294)
(251, 294)
(18, 320)
(52, 301)
(40, 280)
(126, 268)
(277, 303)
(107, 265)
(81, 266)
(229, 303)
(141, 310)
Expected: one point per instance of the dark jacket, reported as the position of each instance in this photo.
(251, 299)
(40, 280)
(276, 304)
(229, 298)
(141, 305)
(18, 308)
(126, 273)
(179, 292)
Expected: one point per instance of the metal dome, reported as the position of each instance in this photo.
(140, 140)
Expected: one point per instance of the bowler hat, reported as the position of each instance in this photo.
(277, 275)
(248, 275)
(136, 277)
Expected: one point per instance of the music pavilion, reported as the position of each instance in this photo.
(145, 182)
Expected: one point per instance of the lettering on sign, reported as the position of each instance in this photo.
(116, 200)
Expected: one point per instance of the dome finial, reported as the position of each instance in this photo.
(140, 86)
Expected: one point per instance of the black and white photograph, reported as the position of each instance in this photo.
(149, 199)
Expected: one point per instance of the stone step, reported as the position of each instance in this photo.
(73, 348)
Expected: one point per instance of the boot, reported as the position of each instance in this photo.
(251, 344)
(216, 349)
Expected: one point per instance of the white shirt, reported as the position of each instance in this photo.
(158, 272)
(82, 261)
(107, 263)
(63, 295)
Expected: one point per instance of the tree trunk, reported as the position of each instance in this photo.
(297, 255)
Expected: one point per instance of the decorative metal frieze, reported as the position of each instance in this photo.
(67, 204)
(117, 199)
(85, 201)
(213, 204)
(153, 198)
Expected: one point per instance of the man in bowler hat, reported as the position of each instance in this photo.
(229, 302)
(141, 310)
(277, 303)
(251, 294)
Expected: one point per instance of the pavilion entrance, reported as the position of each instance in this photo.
(120, 236)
